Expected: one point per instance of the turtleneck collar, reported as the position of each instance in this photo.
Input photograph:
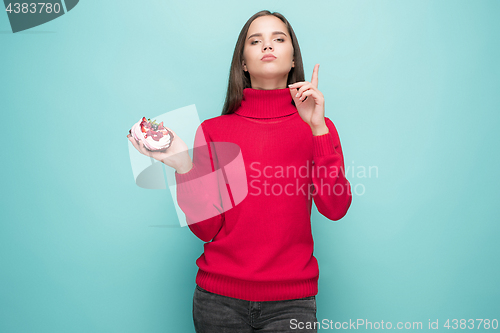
(266, 104)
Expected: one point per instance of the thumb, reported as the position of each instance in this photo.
(171, 130)
(293, 92)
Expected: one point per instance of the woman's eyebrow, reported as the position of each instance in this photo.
(274, 33)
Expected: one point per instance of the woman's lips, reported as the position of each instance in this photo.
(268, 57)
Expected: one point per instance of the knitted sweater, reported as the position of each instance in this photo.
(261, 248)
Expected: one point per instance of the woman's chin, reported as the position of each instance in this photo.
(269, 73)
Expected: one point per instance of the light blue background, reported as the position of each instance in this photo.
(412, 87)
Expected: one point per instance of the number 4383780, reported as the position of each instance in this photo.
(33, 8)
(462, 323)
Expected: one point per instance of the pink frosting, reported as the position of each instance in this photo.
(149, 142)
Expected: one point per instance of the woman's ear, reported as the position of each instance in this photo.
(293, 63)
(244, 66)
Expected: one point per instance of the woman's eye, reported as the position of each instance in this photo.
(255, 41)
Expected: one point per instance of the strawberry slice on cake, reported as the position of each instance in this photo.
(155, 136)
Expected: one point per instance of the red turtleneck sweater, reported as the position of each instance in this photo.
(260, 247)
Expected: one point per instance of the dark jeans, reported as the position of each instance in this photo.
(222, 314)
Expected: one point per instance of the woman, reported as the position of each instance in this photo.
(258, 271)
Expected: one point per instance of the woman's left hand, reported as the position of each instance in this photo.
(311, 110)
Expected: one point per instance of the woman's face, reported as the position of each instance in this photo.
(268, 35)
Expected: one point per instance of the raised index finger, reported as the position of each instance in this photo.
(314, 79)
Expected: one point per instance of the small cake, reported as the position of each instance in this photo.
(155, 136)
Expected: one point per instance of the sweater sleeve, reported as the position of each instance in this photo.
(198, 190)
(332, 191)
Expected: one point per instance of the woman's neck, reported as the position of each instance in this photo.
(269, 84)
(266, 103)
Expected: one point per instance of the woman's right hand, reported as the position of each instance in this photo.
(176, 156)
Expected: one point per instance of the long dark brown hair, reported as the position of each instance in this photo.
(239, 79)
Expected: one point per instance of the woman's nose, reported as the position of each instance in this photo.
(268, 46)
